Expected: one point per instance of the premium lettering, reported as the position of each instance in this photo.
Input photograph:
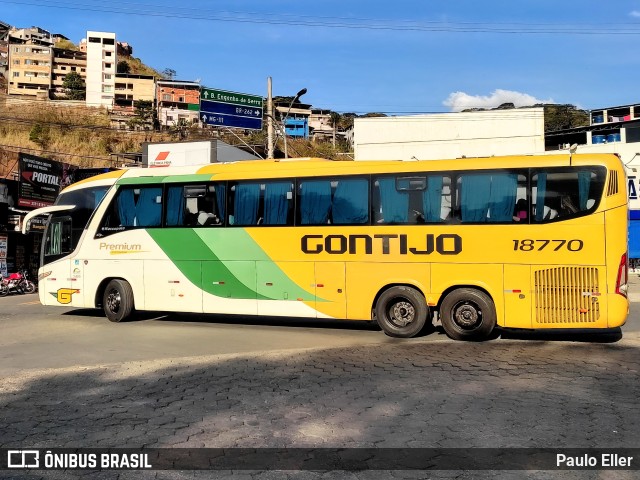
(443, 244)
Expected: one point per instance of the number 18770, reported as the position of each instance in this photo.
(529, 245)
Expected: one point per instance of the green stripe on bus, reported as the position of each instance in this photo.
(196, 177)
(236, 243)
(183, 246)
(139, 180)
(234, 246)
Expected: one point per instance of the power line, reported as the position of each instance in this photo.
(186, 13)
(19, 149)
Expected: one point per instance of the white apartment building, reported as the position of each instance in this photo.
(101, 69)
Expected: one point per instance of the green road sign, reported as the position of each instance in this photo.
(231, 97)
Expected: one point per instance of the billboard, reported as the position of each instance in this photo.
(178, 154)
(41, 180)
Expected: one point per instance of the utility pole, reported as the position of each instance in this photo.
(270, 152)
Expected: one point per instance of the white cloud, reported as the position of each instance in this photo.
(635, 14)
(458, 101)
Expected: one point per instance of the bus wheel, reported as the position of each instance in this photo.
(468, 314)
(401, 312)
(118, 300)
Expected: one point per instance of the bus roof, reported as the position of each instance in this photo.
(308, 167)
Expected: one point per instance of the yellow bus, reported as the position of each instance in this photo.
(515, 242)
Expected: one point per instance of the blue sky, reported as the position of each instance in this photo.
(371, 56)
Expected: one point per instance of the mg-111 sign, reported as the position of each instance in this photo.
(230, 109)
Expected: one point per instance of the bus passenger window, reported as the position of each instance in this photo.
(264, 203)
(488, 197)
(566, 193)
(195, 205)
(133, 207)
(411, 199)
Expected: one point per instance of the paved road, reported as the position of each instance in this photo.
(348, 387)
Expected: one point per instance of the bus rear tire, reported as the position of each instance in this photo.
(468, 314)
(401, 312)
(117, 300)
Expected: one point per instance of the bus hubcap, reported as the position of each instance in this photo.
(403, 313)
(113, 301)
(467, 315)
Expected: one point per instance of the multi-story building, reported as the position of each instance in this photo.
(101, 69)
(65, 62)
(295, 118)
(177, 101)
(321, 125)
(58, 37)
(29, 68)
(609, 129)
(129, 89)
(33, 33)
(4, 48)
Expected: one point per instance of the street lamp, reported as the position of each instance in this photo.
(284, 120)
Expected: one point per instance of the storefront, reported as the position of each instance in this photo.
(17, 251)
(39, 183)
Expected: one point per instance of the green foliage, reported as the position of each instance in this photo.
(561, 117)
(123, 67)
(67, 45)
(40, 135)
(144, 115)
(74, 86)
(169, 73)
(180, 130)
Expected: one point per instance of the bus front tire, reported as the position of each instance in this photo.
(468, 314)
(117, 300)
(401, 312)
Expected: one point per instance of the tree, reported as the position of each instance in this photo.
(39, 135)
(123, 67)
(74, 86)
(144, 115)
(180, 129)
(169, 73)
(561, 117)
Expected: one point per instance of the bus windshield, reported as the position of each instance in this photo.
(65, 228)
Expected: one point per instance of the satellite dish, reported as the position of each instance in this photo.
(573, 148)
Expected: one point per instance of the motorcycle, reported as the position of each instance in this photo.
(17, 282)
(25, 284)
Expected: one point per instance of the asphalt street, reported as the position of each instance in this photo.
(72, 379)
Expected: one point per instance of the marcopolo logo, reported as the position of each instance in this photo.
(443, 244)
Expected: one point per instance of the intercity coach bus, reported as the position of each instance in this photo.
(527, 242)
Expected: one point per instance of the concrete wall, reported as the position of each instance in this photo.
(450, 135)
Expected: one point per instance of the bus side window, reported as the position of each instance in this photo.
(134, 207)
(563, 193)
(488, 197)
(411, 199)
(263, 203)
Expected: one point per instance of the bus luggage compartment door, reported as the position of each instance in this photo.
(517, 296)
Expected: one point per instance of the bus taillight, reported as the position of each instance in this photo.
(623, 276)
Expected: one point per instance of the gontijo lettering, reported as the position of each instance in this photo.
(444, 244)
